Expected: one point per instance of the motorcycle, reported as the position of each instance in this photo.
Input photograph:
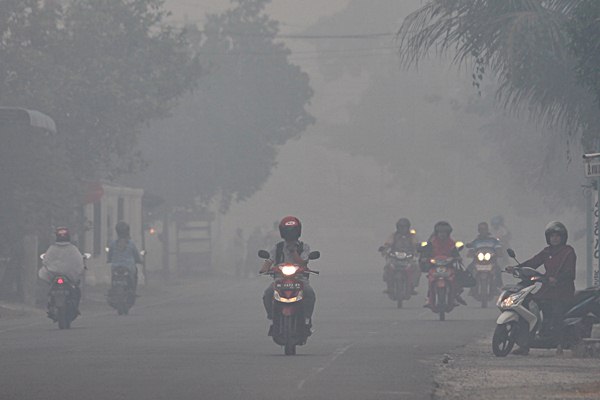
(522, 320)
(63, 298)
(484, 265)
(289, 325)
(121, 295)
(401, 262)
(441, 274)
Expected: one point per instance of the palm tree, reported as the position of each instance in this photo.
(524, 44)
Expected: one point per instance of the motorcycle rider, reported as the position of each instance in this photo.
(501, 232)
(290, 250)
(404, 239)
(483, 233)
(63, 258)
(559, 260)
(440, 244)
(123, 253)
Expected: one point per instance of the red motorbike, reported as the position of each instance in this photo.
(289, 326)
(441, 274)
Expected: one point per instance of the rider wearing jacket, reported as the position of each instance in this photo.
(290, 250)
(404, 239)
(559, 260)
(123, 252)
(440, 244)
(483, 233)
(63, 258)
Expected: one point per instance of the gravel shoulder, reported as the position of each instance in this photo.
(473, 372)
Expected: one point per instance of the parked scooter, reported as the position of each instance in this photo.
(484, 268)
(522, 320)
(289, 326)
(63, 297)
(402, 263)
(441, 274)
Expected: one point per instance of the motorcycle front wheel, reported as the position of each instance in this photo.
(504, 338)
(289, 348)
(441, 302)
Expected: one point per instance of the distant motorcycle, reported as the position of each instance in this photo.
(484, 267)
(441, 274)
(522, 318)
(402, 262)
(289, 326)
(121, 295)
(63, 298)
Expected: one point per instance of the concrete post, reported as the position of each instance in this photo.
(30, 269)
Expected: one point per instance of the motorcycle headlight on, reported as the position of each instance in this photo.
(484, 256)
(288, 270)
(512, 300)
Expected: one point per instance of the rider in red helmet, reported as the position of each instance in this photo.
(291, 250)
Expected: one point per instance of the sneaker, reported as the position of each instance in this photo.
(460, 300)
(414, 292)
(427, 305)
(521, 351)
(271, 330)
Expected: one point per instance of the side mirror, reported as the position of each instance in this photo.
(423, 247)
(314, 255)
(511, 253)
(264, 254)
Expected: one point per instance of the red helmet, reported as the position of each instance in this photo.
(290, 228)
(62, 234)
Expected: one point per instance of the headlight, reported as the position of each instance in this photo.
(512, 300)
(480, 256)
(400, 254)
(487, 256)
(288, 270)
(432, 261)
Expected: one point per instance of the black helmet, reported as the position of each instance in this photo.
(290, 228)
(403, 223)
(62, 234)
(556, 227)
(122, 229)
(442, 226)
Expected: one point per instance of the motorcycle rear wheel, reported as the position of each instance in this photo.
(399, 293)
(504, 338)
(61, 316)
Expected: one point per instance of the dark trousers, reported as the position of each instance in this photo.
(309, 300)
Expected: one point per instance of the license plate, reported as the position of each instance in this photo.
(289, 286)
(57, 292)
(483, 267)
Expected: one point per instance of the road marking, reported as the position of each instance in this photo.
(318, 370)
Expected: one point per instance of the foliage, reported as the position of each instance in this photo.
(223, 140)
(101, 69)
(523, 43)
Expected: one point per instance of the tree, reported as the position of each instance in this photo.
(101, 69)
(223, 140)
(524, 44)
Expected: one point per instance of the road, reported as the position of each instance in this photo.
(207, 340)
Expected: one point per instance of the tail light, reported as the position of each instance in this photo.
(60, 281)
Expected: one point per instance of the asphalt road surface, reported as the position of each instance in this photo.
(207, 339)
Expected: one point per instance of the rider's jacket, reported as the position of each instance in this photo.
(286, 254)
(442, 248)
(398, 242)
(123, 253)
(62, 258)
(559, 262)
